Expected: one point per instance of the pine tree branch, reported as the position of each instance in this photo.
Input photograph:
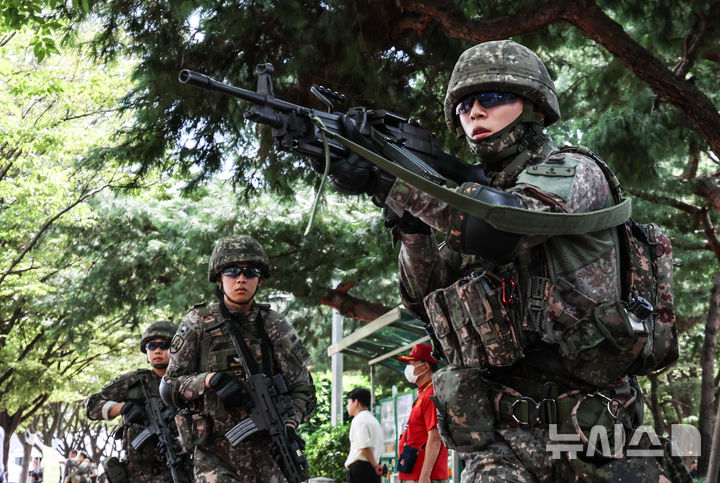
(596, 25)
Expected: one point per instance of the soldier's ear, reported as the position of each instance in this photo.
(260, 279)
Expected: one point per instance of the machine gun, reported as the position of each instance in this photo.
(270, 406)
(294, 128)
(160, 417)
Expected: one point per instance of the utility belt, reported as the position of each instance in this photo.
(471, 407)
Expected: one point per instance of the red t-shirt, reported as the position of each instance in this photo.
(423, 418)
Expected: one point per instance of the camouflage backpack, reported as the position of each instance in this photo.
(646, 281)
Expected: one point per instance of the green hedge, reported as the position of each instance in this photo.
(326, 450)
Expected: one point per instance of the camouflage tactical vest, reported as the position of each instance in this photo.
(217, 352)
(496, 312)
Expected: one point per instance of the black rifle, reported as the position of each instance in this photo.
(400, 139)
(270, 407)
(160, 418)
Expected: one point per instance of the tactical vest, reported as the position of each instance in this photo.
(217, 352)
(145, 455)
(495, 313)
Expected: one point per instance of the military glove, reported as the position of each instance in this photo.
(406, 223)
(230, 391)
(293, 437)
(133, 412)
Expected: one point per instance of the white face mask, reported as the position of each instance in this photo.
(409, 374)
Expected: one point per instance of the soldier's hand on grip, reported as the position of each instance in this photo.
(406, 223)
(133, 412)
(293, 436)
(230, 391)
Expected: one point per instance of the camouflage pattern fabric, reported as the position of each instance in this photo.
(520, 348)
(504, 66)
(202, 346)
(236, 249)
(81, 472)
(145, 464)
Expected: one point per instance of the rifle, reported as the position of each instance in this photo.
(270, 406)
(157, 414)
(402, 140)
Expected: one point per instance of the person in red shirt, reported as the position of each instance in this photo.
(421, 431)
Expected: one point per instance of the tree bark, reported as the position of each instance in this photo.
(707, 362)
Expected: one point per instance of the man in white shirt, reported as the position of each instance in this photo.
(366, 440)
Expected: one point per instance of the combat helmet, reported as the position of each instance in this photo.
(162, 329)
(236, 249)
(501, 65)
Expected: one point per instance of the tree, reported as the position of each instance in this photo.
(51, 113)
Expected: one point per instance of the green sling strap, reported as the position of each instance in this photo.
(504, 218)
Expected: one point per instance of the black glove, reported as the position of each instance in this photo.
(406, 223)
(355, 175)
(293, 436)
(230, 391)
(133, 412)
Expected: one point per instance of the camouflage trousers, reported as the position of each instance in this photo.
(248, 462)
(149, 474)
(521, 455)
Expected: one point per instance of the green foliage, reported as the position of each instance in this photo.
(326, 451)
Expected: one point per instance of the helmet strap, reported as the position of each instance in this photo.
(506, 142)
(220, 294)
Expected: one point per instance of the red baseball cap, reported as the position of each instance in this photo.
(421, 352)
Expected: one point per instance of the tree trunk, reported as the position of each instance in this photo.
(655, 409)
(714, 466)
(707, 362)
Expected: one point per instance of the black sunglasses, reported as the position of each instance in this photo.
(151, 346)
(486, 99)
(235, 272)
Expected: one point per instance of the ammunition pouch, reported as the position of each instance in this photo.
(473, 321)
(116, 470)
(465, 417)
(599, 343)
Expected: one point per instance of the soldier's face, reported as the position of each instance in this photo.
(158, 356)
(239, 291)
(480, 122)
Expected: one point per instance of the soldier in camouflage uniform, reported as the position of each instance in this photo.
(81, 470)
(124, 396)
(204, 370)
(529, 323)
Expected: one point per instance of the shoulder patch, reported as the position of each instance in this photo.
(176, 344)
(549, 170)
(554, 175)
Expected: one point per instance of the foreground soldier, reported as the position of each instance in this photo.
(204, 372)
(538, 345)
(125, 396)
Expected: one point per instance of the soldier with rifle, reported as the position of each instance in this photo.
(148, 430)
(238, 372)
(546, 298)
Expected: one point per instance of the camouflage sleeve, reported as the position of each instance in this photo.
(292, 359)
(584, 190)
(98, 405)
(181, 375)
(424, 267)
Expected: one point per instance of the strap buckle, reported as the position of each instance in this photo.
(544, 412)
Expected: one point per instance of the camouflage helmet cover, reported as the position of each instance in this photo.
(162, 329)
(237, 249)
(501, 65)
